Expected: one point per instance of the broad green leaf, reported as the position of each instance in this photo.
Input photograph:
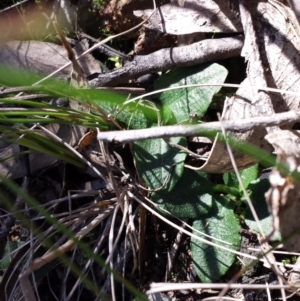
(192, 196)
(221, 223)
(230, 179)
(196, 100)
(9, 248)
(159, 164)
(167, 116)
(257, 190)
(248, 175)
(133, 116)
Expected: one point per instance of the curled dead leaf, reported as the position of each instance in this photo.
(271, 49)
(283, 196)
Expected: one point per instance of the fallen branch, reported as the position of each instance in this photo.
(243, 125)
(168, 58)
(53, 254)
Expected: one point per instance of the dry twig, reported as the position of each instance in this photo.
(243, 125)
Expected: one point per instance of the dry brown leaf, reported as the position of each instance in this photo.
(273, 61)
(294, 277)
(44, 58)
(282, 54)
(195, 16)
(283, 196)
(87, 140)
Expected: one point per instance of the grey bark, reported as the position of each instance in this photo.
(241, 126)
(165, 59)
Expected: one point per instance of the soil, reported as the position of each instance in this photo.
(56, 181)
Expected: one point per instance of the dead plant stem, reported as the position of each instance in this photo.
(241, 126)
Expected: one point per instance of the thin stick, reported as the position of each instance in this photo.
(208, 242)
(12, 6)
(97, 45)
(258, 88)
(241, 126)
(110, 248)
(239, 178)
(165, 287)
(265, 246)
(51, 255)
(56, 138)
(172, 253)
(223, 298)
